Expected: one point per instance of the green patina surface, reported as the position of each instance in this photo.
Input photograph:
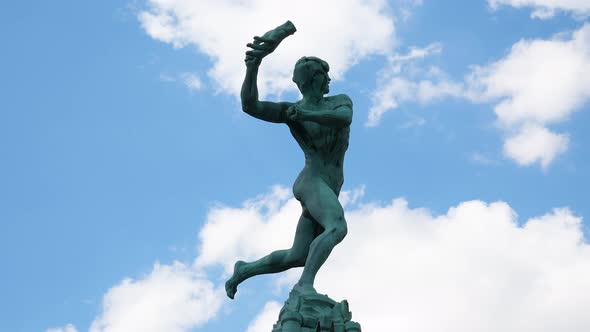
(320, 125)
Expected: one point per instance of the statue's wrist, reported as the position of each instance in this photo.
(252, 68)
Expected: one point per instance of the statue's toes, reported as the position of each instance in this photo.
(230, 289)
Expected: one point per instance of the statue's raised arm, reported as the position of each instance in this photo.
(261, 47)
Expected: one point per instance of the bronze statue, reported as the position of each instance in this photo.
(321, 127)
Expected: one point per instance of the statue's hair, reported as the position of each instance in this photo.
(304, 70)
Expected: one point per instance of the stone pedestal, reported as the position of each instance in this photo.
(307, 311)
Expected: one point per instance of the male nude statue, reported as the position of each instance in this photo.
(321, 127)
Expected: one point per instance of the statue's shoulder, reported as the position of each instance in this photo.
(340, 100)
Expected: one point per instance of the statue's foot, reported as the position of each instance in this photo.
(231, 285)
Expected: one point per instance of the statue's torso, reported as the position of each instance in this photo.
(324, 148)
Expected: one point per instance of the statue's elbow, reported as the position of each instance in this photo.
(348, 119)
(246, 105)
(249, 107)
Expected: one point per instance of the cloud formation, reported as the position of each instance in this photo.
(172, 298)
(404, 80)
(191, 81)
(341, 32)
(179, 297)
(535, 143)
(474, 268)
(539, 83)
(267, 317)
(67, 328)
(544, 9)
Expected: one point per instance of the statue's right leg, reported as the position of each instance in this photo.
(280, 260)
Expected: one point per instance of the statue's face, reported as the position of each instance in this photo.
(311, 75)
(321, 81)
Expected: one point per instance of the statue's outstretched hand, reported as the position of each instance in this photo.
(260, 48)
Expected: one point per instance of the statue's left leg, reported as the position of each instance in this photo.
(279, 260)
(323, 205)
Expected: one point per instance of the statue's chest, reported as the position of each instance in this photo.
(314, 130)
(318, 136)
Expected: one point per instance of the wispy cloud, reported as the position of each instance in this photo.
(404, 79)
(191, 81)
(537, 84)
(544, 9)
(482, 159)
(67, 328)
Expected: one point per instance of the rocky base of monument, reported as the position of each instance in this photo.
(307, 311)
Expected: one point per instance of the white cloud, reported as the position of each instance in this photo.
(405, 8)
(266, 318)
(403, 80)
(482, 159)
(249, 231)
(401, 89)
(341, 32)
(535, 144)
(350, 197)
(539, 83)
(415, 53)
(179, 298)
(191, 81)
(544, 9)
(473, 268)
(172, 298)
(67, 328)
(542, 81)
(414, 122)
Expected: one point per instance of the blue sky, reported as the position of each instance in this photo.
(125, 156)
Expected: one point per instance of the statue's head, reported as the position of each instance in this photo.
(311, 74)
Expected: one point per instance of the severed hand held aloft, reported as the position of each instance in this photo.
(263, 46)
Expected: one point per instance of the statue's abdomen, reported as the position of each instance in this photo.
(324, 150)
